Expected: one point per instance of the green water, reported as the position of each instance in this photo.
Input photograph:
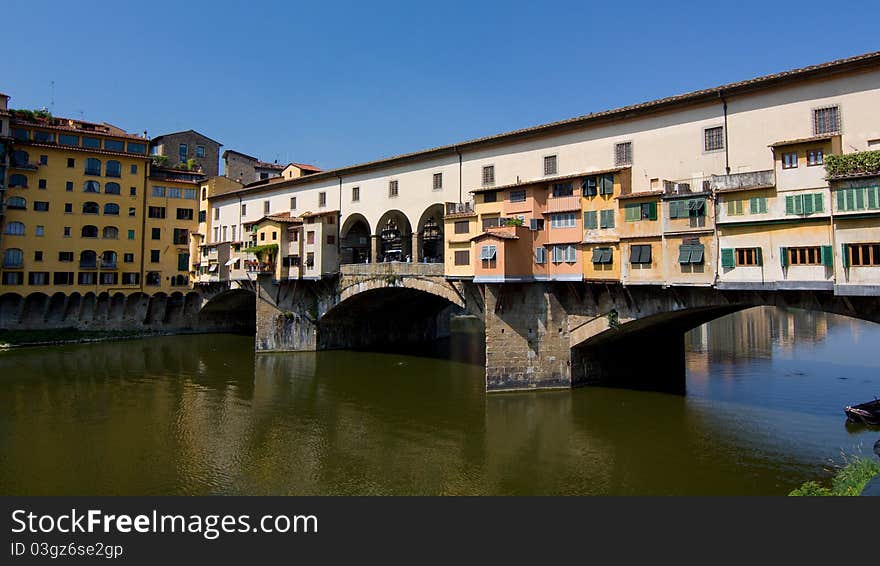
(204, 415)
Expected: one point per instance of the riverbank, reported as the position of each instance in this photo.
(848, 480)
(10, 339)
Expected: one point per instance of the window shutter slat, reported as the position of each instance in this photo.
(727, 258)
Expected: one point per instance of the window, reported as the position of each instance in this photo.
(13, 278)
(310, 237)
(131, 234)
(132, 191)
(175, 192)
(606, 218)
(322, 199)
(691, 253)
(110, 233)
(183, 262)
(264, 176)
(38, 255)
(463, 257)
(563, 220)
(355, 194)
(67, 231)
(713, 138)
(20, 157)
(808, 255)
(184, 214)
(44, 160)
(567, 254)
(182, 152)
(154, 279)
(113, 169)
(20, 134)
(156, 233)
(93, 166)
(88, 260)
(112, 189)
(488, 175)
(826, 120)
(71, 162)
(202, 215)
(310, 260)
(571, 253)
(735, 207)
(156, 212)
(243, 210)
(858, 198)
(861, 255)
(292, 203)
(688, 208)
(38, 278)
(804, 204)
(741, 257)
(262, 236)
(65, 256)
(113, 145)
(16, 203)
(549, 165)
(44, 137)
(13, 257)
(62, 278)
(17, 180)
(487, 253)
(623, 153)
(133, 169)
(438, 181)
(274, 234)
(789, 160)
(181, 236)
(200, 151)
(14, 229)
(640, 254)
(40, 230)
(128, 258)
(131, 278)
(815, 157)
(643, 211)
(91, 187)
(67, 139)
(266, 206)
(41, 184)
(89, 231)
(216, 214)
(591, 220)
(562, 190)
(536, 224)
(109, 278)
(132, 211)
(154, 256)
(392, 189)
(233, 232)
(540, 255)
(462, 226)
(158, 192)
(137, 148)
(490, 196)
(68, 186)
(331, 240)
(603, 255)
(589, 186)
(758, 205)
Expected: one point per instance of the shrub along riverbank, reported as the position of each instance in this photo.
(16, 338)
(849, 480)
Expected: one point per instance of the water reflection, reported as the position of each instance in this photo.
(203, 414)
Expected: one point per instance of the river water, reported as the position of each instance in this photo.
(204, 415)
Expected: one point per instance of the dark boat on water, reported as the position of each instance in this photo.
(867, 413)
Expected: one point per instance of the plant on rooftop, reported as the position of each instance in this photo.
(858, 162)
(32, 115)
(269, 249)
(160, 160)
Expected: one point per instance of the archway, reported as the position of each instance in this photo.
(355, 243)
(394, 237)
(430, 235)
(234, 310)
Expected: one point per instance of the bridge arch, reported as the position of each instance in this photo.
(394, 238)
(233, 310)
(355, 239)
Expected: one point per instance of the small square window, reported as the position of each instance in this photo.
(71, 162)
(713, 138)
(41, 184)
(38, 256)
(790, 160)
(44, 160)
(355, 194)
(68, 186)
(392, 189)
(134, 169)
(623, 153)
(815, 157)
(438, 181)
(550, 165)
(488, 175)
(156, 233)
(67, 231)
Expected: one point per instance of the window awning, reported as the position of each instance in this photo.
(230, 262)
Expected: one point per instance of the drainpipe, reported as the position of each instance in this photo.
(726, 136)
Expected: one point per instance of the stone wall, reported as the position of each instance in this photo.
(210, 163)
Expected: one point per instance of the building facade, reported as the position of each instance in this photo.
(181, 148)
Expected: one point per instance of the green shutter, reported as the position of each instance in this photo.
(754, 205)
(827, 256)
(727, 258)
(590, 221)
(789, 205)
(860, 199)
(597, 255)
(652, 211)
(783, 257)
(674, 207)
(697, 253)
(606, 218)
(807, 204)
(182, 262)
(841, 200)
(759, 256)
(684, 254)
(819, 202)
(633, 212)
(845, 256)
(873, 197)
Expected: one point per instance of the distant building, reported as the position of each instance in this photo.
(247, 169)
(180, 147)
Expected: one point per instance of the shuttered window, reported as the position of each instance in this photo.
(606, 218)
(858, 198)
(691, 253)
(540, 255)
(487, 253)
(640, 254)
(603, 255)
(591, 221)
(804, 204)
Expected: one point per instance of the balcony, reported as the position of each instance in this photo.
(13, 263)
(88, 265)
(108, 265)
(463, 208)
(742, 181)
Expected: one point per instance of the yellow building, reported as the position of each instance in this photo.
(74, 207)
(171, 216)
(601, 257)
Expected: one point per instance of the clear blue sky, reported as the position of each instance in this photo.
(338, 83)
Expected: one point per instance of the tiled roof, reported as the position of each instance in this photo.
(112, 131)
(306, 167)
(85, 149)
(857, 62)
(856, 175)
(322, 213)
(504, 233)
(642, 194)
(547, 180)
(267, 165)
(824, 137)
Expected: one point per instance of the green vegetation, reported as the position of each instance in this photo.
(160, 160)
(270, 249)
(858, 162)
(58, 335)
(32, 115)
(849, 480)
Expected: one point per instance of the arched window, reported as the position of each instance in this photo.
(93, 166)
(14, 229)
(90, 207)
(91, 187)
(13, 258)
(111, 188)
(18, 203)
(108, 260)
(17, 180)
(114, 169)
(111, 208)
(20, 158)
(154, 279)
(179, 280)
(89, 231)
(110, 233)
(88, 260)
